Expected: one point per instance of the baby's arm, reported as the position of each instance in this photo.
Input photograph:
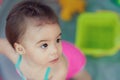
(7, 50)
(84, 75)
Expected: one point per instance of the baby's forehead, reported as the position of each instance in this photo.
(32, 22)
(34, 25)
(42, 32)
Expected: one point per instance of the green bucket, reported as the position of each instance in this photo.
(97, 33)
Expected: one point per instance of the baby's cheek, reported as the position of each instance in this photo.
(60, 52)
(32, 55)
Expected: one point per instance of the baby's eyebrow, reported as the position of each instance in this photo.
(59, 35)
(41, 41)
(47, 40)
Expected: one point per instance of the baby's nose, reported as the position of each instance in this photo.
(54, 51)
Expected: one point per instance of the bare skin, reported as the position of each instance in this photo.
(13, 56)
(5, 47)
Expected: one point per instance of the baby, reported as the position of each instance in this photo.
(34, 44)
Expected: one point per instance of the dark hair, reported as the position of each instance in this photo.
(15, 23)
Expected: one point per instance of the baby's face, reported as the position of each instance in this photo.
(42, 44)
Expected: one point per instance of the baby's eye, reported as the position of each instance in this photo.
(58, 40)
(44, 45)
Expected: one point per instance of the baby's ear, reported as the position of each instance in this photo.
(19, 48)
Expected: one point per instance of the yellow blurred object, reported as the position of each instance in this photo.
(69, 7)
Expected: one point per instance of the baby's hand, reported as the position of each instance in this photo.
(4, 44)
(7, 50)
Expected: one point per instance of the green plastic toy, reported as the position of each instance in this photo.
(98, 34)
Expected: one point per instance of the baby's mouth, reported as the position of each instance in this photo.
(54, 60)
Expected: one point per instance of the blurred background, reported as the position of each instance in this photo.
(92, 25)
